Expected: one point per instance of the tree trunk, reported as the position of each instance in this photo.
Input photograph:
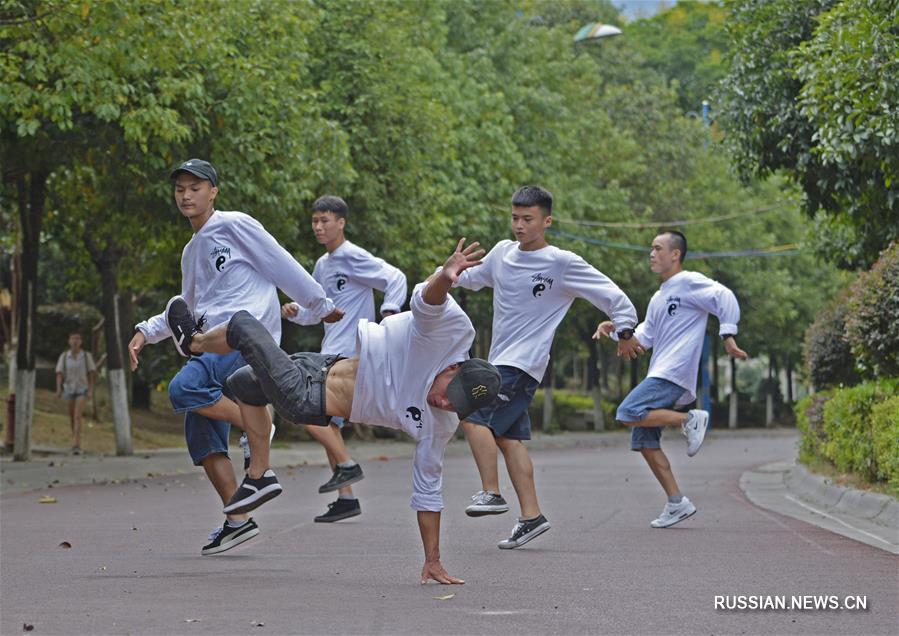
(597, 373)
(548, 381)
(769, 394)
(732, 411)
(106, 261)
(715, 344)
(32, 195)
(788, 367)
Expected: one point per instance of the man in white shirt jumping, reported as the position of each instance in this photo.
(674, 328)
(230, 263)
(349, 274)
(534, 284)
(412, 373)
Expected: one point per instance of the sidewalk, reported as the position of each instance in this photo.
(789, 489)
(51, 468)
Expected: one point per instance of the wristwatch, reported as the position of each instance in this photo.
(625, 334)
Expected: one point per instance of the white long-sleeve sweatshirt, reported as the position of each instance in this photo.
(532, 291)
(233, 263)
(675, 325)
(348, 275)
(398, 362)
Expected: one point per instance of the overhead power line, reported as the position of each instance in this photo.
(788, 249)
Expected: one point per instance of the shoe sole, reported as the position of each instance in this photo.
(251, 503)
(349, 482)
(705, 430)
(166, 314)
(482, 511)
(231, 544)
(341, 516)
(530, 536)
(676, 521)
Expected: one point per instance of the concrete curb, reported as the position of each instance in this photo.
(790, 489)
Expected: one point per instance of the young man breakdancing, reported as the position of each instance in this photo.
(412, 374)
(349, 274)
(230, 263)
(674, 328)
(534, 284)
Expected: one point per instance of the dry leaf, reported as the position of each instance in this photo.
(47, 499)
(65, 544)
(191, 620)
(26, 627)
(445, 597)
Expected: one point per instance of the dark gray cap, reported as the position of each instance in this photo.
(474, 387)
(198, 168)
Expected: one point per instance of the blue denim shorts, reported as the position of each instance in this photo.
(508, 415)
(74, 395)
(201, 383)
(650, 394)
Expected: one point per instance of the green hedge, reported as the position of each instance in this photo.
(567, 406)
(826, 351)
(855, 428)
(885, 424)
(872, 328)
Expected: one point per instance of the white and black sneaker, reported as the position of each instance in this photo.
(226, 537)
(694, 429)
(486, 502)
(524, 531)
(341, 478)
(674, 513)
(182, 324)
(252, 493)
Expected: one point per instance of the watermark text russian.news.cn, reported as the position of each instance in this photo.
(801, 602)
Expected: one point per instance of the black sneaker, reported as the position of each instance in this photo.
(253, 493)
(342, 477)
(226, 537)
(340, 509)
(182, 324)
(524, 531)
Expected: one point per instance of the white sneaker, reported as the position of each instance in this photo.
(674, 513)
(694, 429)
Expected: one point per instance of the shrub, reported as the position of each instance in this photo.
(828, 356)
(566, 408)
(872, 327)
(848, 429)
(885, 434)
(810, 422)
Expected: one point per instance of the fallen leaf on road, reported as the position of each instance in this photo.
(134, 527)
(191, 620)
(65, 544)
(102, 568)
(26, 627)
(257, 623)
(445, 597)
(47, 499)
(382, 458)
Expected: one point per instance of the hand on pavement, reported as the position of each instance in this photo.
(434, 570)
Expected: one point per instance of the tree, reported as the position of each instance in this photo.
(812, 91)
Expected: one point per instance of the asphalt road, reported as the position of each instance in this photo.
(134, 566)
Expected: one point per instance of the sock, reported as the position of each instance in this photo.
(523, 520)
(347, 464)
(675, 499)
(347, 497)
(232, 523)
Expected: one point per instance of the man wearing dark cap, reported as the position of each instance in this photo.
(412, 373)
(230, 264)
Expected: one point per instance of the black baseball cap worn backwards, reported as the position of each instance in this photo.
(198, 168)
(474, 387)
